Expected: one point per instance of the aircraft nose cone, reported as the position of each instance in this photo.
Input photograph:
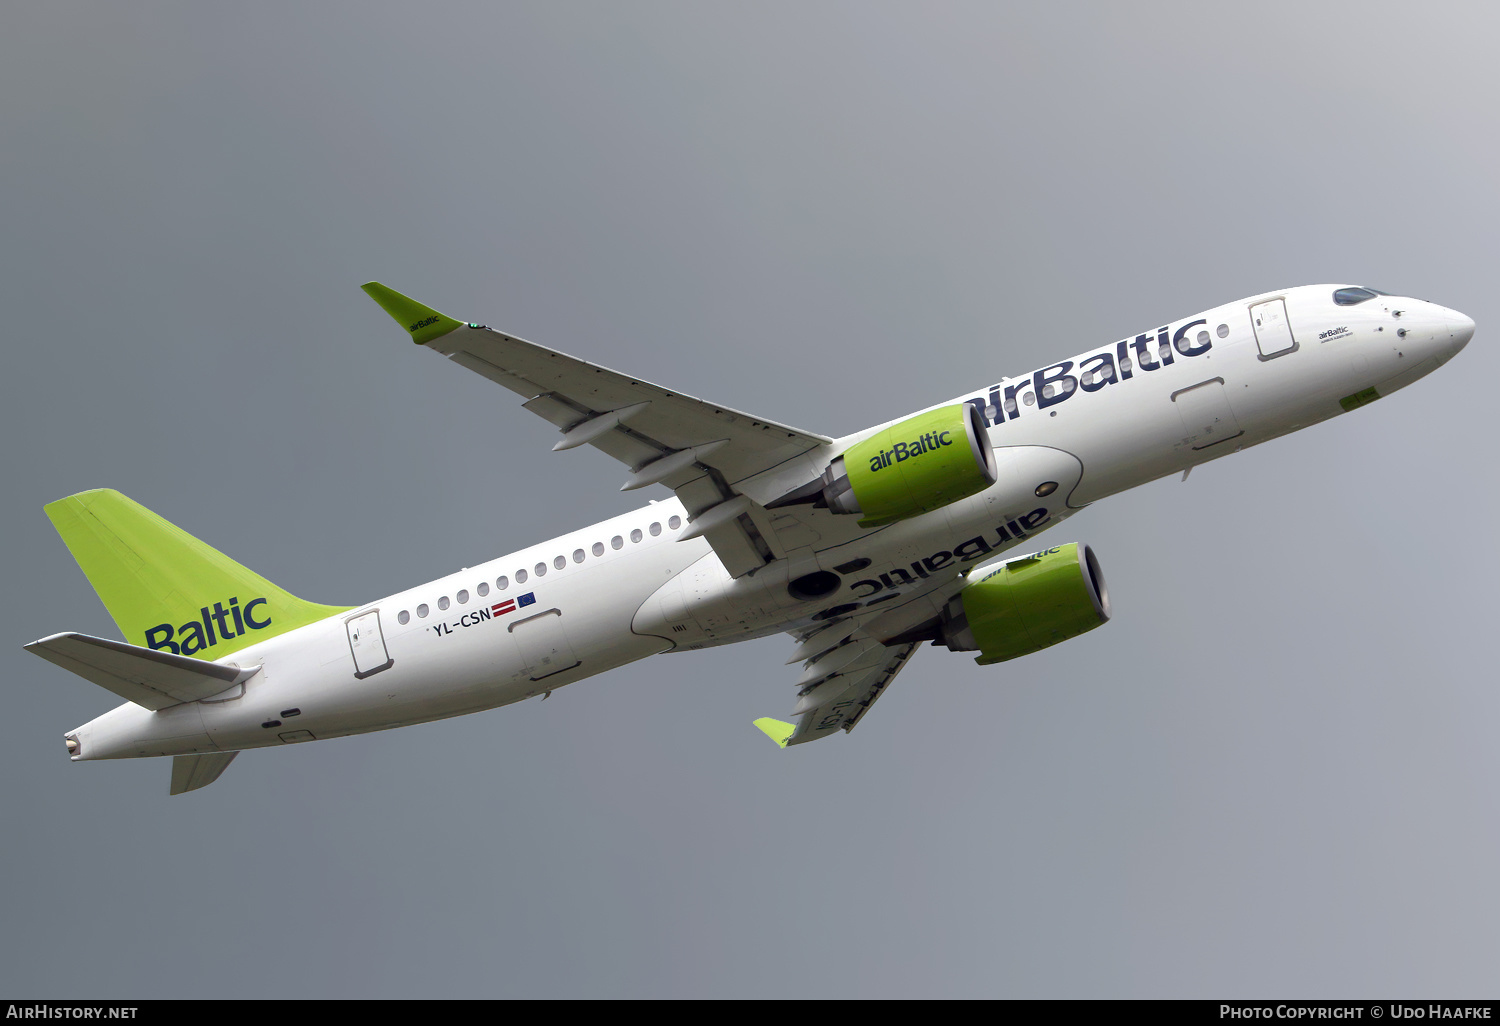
(1460, 329)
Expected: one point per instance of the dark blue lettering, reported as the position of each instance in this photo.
(1163, 350)
(1143, 354)
(937, 561)
(1094, 378)
(1180, 337)
(1035, 518)
(191, 635)
(979, 404)
(1012, 405)
(1065, 384)
(164, 641)
(251, 620)
(220, 615)
(970, 550)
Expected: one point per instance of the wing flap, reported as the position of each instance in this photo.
(150, 679)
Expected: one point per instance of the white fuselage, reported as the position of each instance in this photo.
(1115, 417)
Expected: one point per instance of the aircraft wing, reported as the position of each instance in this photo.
(848, 663)
(700, 450)
(841, 701)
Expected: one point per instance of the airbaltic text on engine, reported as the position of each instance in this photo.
(903, 451)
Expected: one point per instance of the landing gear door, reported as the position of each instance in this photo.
(367, 644)
(544, 644)
(1206, 416)
(1272, 332)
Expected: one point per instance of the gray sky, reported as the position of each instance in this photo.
(1273, 773)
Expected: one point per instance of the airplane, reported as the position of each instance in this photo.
(859, 548)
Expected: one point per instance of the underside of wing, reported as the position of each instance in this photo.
(702, 451)
(848, 663)
(840, 701)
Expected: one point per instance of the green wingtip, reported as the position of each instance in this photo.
(424, 323)
(777, 730)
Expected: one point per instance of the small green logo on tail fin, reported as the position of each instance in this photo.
(167, 590)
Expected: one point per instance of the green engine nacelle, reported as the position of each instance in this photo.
(1028, 604)
(922, 463)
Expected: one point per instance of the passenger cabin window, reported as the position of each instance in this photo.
(598, 548)
(463, 596)
(655, 530)
(502, 582)
(520, 576)
(578, 555)
(540, 570)
(1354, 296)
(443, 602)
(674, 523)
(636, 535)
(422, 609)
(483, 589)
(617, 542)
(561, 561)
(403, 617)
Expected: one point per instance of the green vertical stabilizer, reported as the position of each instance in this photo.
(166, 589)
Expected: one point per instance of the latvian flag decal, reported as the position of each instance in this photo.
(511, 605)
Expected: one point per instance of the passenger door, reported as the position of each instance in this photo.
(367, 645)
(1272, 332)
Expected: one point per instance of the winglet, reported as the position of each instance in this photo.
(777, 730)
(424, 323)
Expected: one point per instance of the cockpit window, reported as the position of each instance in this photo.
(1354, 296)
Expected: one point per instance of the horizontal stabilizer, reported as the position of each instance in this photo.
(150, 679)
(190, 772)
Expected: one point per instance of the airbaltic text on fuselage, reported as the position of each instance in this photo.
(196, 635)
(1110, 366)
(903, 451)
(964, 552)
